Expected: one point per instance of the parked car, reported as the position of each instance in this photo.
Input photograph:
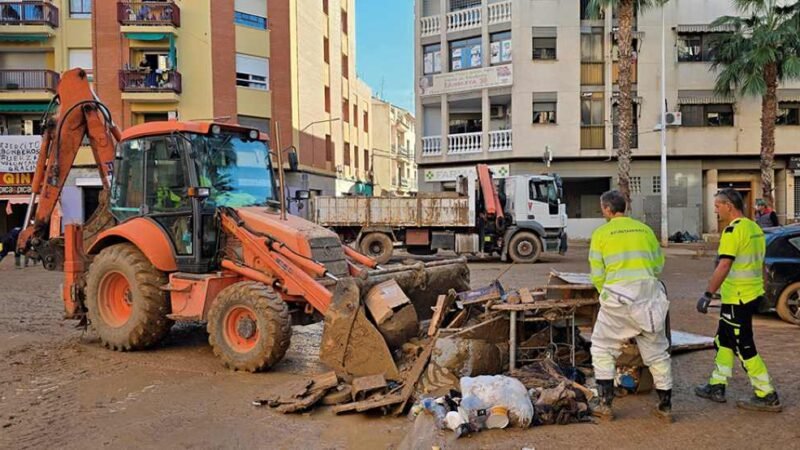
(783, 273)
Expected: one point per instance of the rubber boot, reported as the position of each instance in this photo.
(768, 403)
(664, 407)
(713, 392)
(605, 392)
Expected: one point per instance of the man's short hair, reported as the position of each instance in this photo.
(732, 196)
(614, 200)
(761, 202)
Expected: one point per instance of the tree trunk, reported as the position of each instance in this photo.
(625, 106)
(769, 112)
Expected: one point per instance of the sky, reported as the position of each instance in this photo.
(385, 49)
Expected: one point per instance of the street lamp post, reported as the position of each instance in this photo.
(664, 181)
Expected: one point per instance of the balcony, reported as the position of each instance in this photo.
(144, 86)
(430, 26)
(29, 13)
(464, 19)
(500, 141)
(149, 14)
(467, 19)
(593, 137)
(28, 80)
(465, 143)
(499, 12)
(431, 146)
(593, 74)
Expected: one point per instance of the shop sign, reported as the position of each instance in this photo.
(15, 183)
(18, 154)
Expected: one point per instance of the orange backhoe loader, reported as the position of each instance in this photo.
(190, 228)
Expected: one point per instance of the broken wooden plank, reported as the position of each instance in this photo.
(324, 381)
(459, 319)
(546, 304)
(525, 296)
(443, 304)
(304, 403)
(412, 378)
(363, 386)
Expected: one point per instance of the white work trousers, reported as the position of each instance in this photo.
(632, 310)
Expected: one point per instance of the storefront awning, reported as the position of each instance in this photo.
(704, 28)
(146, 36)
(24, 37)
(703, 97)
(23, 107)
(789, 95)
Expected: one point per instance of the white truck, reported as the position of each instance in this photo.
(517, 217)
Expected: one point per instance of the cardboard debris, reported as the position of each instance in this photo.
(384, 299)
(363, 386)
(301, 394)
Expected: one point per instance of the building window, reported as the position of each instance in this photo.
(366, 122)
(356, 155)
(366, 160)
(325, 6)
(345, 66)
(80, 9)
(788, 114)
(544, 43)
(327, 99)
(716, 115)
(657, 184)
(346, 153)
(456, 5)
(544, 107)
(500, 47)
(81, 58)
(355, 115)
(592, 121)
(250, 20)
(696, 47)
(326, 50)
(636, 185)
(592, 45)
(344, 22)
(465, 54)
(346, 110)
(258, 123)
(252, 72)
(431, 59)
(328, 148)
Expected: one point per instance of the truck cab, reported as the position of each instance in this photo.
(534, 205)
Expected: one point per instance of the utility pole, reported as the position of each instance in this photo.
(664, 181)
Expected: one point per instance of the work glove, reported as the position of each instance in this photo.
(702, 304)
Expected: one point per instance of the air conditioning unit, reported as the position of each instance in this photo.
(497, 112)
(673, 119)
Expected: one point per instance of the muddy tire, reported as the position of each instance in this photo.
(788, 305)
(377, 246)
(525, 247)
(125, 304)
(249, 326)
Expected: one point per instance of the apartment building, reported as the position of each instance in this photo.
(323, 109)
(394, 167)
(506, 82)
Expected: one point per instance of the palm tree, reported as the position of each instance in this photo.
(626, 13)
(761, 51)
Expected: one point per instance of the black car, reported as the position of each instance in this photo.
(783, 272)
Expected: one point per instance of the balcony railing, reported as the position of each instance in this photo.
(402, 151)
(149, 13)
(28, 13)
(464, 19)
(28, 80)
(144, 81)
(500, 141)
(430, 26)
(459, 144)
(431, 146)
(593, 74)
(593, 137)
(499, 12)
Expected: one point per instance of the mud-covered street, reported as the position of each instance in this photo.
(60, 388)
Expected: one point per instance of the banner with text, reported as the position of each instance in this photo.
(18, 153)
(467, 80)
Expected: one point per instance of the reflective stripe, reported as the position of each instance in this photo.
(611, 259)
(744, 274)
(594, 254)
(598, 272)
(748, 259)
(630, 274)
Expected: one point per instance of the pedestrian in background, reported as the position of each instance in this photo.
(765, 216)
(8, 244)
(626, 259)
(739, 277)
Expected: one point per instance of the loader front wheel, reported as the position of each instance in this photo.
(125, 304)
(377, 246)
(525, 247)
(249, 326)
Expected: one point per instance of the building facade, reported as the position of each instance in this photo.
(508, 82)
(394, 167)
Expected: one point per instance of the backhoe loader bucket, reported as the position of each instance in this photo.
(352, 344)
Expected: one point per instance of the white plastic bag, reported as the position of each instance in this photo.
(485, 392)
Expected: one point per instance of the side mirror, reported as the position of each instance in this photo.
(293, 161)
(302, 195)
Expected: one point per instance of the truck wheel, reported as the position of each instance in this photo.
(788, 305)
(525, 247)
(125, 304)
(249, 326)
(377, 246)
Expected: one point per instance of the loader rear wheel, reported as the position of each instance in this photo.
(525, 247)
(377, 246)
(249, 326)
(125, 304)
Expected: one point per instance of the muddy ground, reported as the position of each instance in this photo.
(59, 388)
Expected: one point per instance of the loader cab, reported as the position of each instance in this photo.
(177, 174)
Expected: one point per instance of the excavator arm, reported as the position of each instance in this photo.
(80, 115)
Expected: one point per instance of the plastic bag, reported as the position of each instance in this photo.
(485, 392)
